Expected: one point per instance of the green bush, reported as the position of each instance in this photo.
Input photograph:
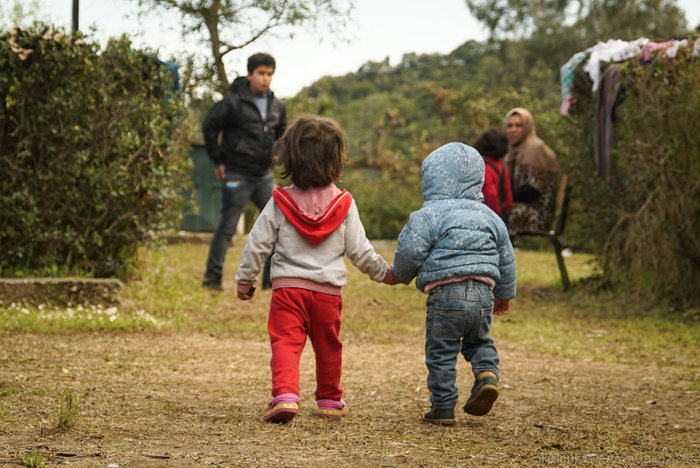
(645, 222)
(90, 158)
(385, 199)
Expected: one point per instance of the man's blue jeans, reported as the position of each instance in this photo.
(459, 317)
(235, 192)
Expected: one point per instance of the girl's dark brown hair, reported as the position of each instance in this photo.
(312, 152)
(492, 143)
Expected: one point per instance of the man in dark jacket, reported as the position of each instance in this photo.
(239, 132)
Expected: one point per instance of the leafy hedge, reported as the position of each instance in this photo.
(90, 159)
(645, 222)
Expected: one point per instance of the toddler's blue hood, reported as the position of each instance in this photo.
(454, 170)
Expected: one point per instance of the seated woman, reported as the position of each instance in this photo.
(534, 173)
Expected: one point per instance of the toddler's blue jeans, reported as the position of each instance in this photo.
(459, 317)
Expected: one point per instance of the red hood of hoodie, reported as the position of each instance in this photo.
(314, 230)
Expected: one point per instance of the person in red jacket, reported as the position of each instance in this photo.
(493, 146)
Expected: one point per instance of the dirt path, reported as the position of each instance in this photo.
(193, 399)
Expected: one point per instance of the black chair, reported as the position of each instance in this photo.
(562, 210)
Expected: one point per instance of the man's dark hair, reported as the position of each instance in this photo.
(256, 60)
(492, 143)
(312, 152)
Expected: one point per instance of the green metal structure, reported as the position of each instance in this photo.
(205, 211)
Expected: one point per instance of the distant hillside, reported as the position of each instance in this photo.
(425, 100)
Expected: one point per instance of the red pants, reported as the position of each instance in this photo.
(294, 315)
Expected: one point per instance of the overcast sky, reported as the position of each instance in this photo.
(379, 29)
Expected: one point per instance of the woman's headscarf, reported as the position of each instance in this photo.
(530, 150)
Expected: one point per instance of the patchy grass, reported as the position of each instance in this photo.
(16, 318)
(68, 414)
(602, 326)
(592, 380)
(33, 460)
(166, 293)
(576, 324)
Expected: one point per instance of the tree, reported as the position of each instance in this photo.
(537, 36)
(587, 20)
(91, 159)
(228, 25)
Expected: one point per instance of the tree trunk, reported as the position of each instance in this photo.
(212, 22)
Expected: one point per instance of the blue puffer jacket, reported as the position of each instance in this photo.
(455, 233)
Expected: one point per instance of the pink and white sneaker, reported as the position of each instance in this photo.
(333, 409)
(282, 408)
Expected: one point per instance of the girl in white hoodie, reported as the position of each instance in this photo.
(311, 226)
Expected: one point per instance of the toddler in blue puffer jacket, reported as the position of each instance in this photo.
(460, 254)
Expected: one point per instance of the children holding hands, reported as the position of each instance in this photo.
(455, 246)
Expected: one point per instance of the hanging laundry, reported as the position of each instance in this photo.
(671, 45)
(673, 50)
(696, 47)
(614, 50)
(604, 118)
(567, 78)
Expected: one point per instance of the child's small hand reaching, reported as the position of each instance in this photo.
(245, 291)
(392, 280)
(501, 307)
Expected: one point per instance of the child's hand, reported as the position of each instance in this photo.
(245, 291)
(392, 280)
(501, 307)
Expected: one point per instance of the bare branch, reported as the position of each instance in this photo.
(231, 25)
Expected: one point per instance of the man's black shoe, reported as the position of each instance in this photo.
(213, 284)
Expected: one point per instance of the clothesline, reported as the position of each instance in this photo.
(614, 50)
(608, 86)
